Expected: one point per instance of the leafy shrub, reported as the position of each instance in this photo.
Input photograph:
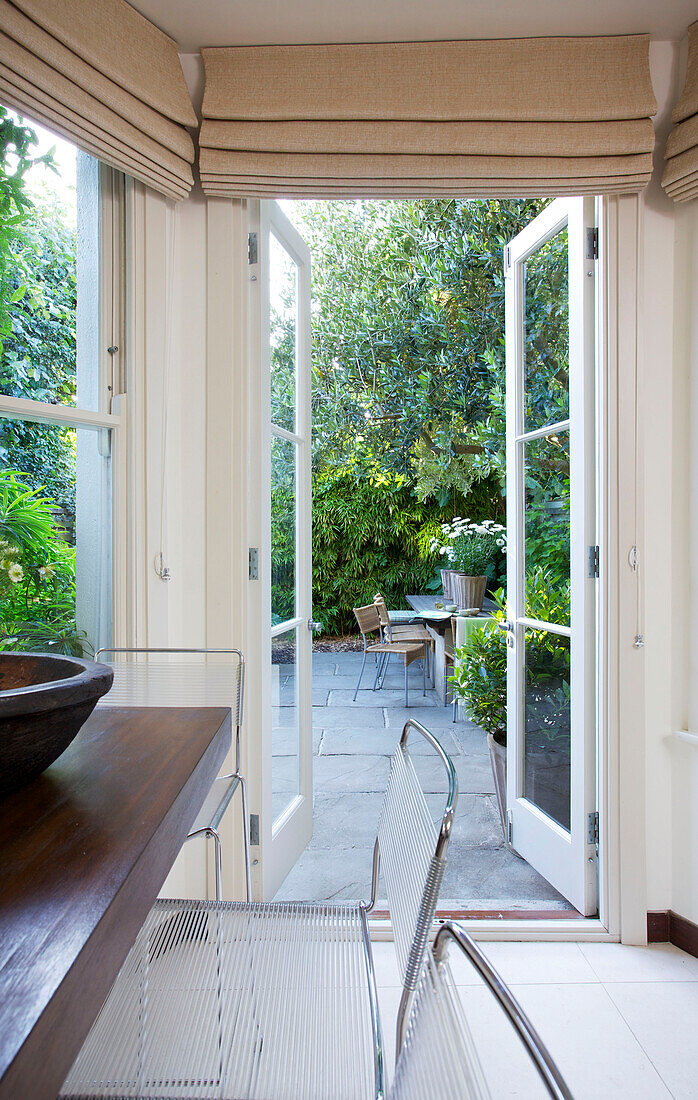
(37, 573)
(368, 534)
(480, 680)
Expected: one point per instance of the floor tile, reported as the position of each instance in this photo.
(527, 963)
(593, 1046)
(660, 962)
(385, 964)
(662, 1017)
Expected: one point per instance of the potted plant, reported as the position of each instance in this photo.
(480, 681)
(474, 550)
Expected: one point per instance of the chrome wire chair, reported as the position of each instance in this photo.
(271, 1001)
(438, 1059)
(152, 677)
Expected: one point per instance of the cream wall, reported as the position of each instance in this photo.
(206, 543)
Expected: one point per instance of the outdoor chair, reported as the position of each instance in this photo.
(369, 622)
(190, 678)
(272, 1001)
(392, 631)
(438, 1059)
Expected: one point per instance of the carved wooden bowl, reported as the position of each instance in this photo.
(44, 701)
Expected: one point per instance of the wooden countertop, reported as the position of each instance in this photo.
(84, 851)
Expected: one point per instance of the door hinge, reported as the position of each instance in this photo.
(510, 827)
(593, 828)
(252, 250)
(254, 828)
(592, 243)
(592, 561)
(507, 258)
(254, 564)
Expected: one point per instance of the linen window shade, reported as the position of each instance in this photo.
(680, 178)
(101, 75)
(552, 116)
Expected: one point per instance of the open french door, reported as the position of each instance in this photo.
(552, 562)
(279, 506)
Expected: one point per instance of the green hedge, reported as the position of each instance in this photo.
(367, 535)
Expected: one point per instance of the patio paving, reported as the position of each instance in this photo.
(351, 745)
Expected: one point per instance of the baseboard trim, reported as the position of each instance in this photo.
(669, 927)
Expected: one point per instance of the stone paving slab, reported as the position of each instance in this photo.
(380, 741)
(284, 740)
(346, 876)
(385, 697)
(474, 774)
(345, 717)
(350, 773)
(475, 874)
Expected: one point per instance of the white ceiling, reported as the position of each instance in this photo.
(196, 23)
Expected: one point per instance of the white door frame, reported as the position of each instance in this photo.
(621, 683)
(564, 857)
(281, 842)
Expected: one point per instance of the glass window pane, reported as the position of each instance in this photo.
(283, 336)
(547, 723)
(547, 528)
(283, 530)
(50, 286)
(546, 334)
(55, 538)
(285, 732)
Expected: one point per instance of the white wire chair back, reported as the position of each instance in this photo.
(438, 1059)
(176, 678)
(411, 852)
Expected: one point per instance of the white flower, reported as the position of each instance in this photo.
(500, 542)
(443, 550)
(15, 573)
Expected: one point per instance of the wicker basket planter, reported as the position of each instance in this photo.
(447, 576)
(468, 591)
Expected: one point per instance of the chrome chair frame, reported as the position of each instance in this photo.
(536, 1049)
(430, 895)
(209, 827)
(253, 1013)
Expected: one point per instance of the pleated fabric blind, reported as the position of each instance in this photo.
(549, 116)
(98, 73)
(680, 179)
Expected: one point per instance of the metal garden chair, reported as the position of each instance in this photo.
(272, 1001)
(394, 631)
(438, 1059)
(368, 619)
(205, 677)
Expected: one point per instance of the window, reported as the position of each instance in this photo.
(58, 208)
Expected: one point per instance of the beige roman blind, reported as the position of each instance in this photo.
(680, 179)
(547, 116)
(98, 73)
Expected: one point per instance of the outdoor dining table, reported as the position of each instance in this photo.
(446, 628)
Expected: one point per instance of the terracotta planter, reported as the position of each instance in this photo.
(447, 584)
(468, 591)
(498, 759)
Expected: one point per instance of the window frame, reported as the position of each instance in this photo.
(111, 381)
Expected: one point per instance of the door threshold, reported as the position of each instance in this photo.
(508, 914)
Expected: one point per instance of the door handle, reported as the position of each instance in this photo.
(314, 626)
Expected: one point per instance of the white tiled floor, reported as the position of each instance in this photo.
(621, 1022)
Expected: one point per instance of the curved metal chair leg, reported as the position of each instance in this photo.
(218, 855)
(246, 838)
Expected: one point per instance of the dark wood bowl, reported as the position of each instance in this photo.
(44, 700)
